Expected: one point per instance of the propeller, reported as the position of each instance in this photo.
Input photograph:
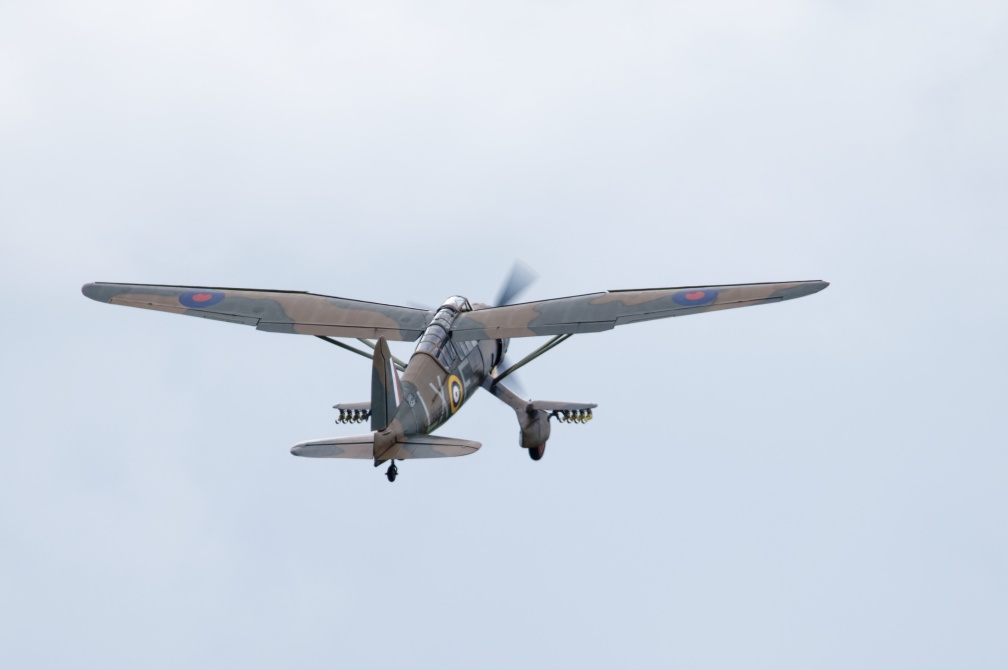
(519, 279)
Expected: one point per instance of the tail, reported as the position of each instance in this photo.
(386, 391)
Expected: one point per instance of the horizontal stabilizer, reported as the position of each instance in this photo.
(433, 446)
(406, 447)
(355, 446)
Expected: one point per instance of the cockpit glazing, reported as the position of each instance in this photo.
(436, 340)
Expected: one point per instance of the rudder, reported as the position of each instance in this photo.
(386, 391)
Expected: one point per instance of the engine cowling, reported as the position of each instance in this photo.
(502, 347)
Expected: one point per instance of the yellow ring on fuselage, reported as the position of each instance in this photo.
(456, 393)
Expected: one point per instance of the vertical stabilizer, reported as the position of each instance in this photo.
(386, 392)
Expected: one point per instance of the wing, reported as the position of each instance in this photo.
(602, 311)
(274, 311)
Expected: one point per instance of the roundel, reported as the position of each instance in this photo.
(456, 393)
(199, 299)
(695, 297)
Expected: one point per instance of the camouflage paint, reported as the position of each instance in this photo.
(458, 349)
(273, 311)
(596, 312)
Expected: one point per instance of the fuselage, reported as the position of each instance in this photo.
(442, 374)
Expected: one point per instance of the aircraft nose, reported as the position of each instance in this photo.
(297, 449)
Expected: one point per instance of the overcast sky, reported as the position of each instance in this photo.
(821, 483)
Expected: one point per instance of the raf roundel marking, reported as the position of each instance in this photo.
(456, 393)
(695, 297)
(198, 299)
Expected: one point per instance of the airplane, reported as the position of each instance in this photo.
(461, 349)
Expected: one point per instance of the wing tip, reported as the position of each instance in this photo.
(803, 289)
(94, 291)
(818, 285)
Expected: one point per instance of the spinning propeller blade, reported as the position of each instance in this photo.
(520, 278)
(513, 378)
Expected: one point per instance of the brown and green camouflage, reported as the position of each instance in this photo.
(460, 349)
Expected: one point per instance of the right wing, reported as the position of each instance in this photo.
(274, 311)
(602, 311)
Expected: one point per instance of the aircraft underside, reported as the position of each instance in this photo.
(461, 348)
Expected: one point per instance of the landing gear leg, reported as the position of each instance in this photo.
(392, 471)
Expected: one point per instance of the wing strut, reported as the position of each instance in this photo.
(399, 364)
(555, 341)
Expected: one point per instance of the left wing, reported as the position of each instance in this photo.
(274, 311)
(602, 311)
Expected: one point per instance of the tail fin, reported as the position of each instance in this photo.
(386, 391)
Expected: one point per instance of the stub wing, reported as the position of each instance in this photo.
(559, 406)
(273, 311)
(602, 311)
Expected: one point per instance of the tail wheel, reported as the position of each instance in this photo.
(535, 453)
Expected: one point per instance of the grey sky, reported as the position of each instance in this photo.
(833, 494)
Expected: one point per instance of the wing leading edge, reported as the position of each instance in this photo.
(274, 311)
(603, 311)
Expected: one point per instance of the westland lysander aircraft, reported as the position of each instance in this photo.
(461, 349)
